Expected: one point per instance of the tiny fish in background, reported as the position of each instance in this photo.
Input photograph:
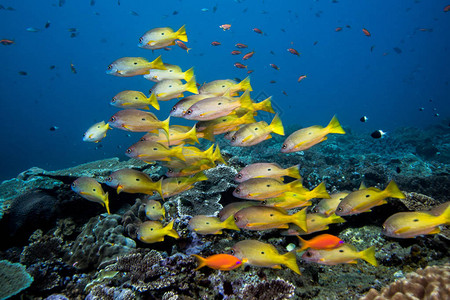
(364, 119)
(240, 66)
(366, 32)
(54, 128)
(225, 27)
(274, 66)
(133, 13)
(447, 8)
(338, 29)
(248, 55)
(293, 51)
(215, 43)
(182, 46)
(301, 78)
(236, 52)
(257, 30)
(397, 50)
(7, 42)
(33, 29)
(240, 46)
(23, 73)
(72, 68)
(378, 134)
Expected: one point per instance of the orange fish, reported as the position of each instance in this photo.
(239, 45)
(236, 52)
(182, 46)
(250, 71)
(274, 66)
(223, 262)
(301, 78)
(447, 8)
(240, 66)
(215, 43)
(257, 30)
(225, 26)
(6, 42)
(293, 51)
(338, 29)
(320, 242)
(366, 32)
(248, 55)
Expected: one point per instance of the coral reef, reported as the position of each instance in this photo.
(277, 289)
(432, 283)
(14, 278)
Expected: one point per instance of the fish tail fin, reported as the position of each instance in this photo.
(230, 224)
(303, 244)
(299, 219)
(153, 101)
(266, 105)
(178, 152)
(369, 256)
(191, 86)
(290, 261)
(334, 126)
(158, 64)
(192, 134)
(218, 156)
(294, 172)
(165, 127)
(336, 219)
(209, 153)
(181, 34)
(245, 84)
(277, 126)
(246, 101)
(296, 186)
(200, 260)
(106, 201)
(208, 134)
(248, 118)
(393, 191)
(170, 231)
(199, 177)
(320, 191)
(188, 74)
(158, 188)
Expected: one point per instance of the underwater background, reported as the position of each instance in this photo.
(54, 87)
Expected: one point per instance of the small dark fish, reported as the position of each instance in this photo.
(274, 66)
(52, 67)
(175, 13)
(214, 8)
(2, 7)
(47, 25)
(272, 81)
(23, 73)
(92, 2)
(10, 8)
(397, 50)
(371, 48)
(72, 68)
(61, 3)
(118, 2)
(284, 93)
(271, 52)
(133, 13)
(257, 30)
(282, 29)
(431, 100)
(364, 119)
(72, 29)
(377, 134)
(6, 42)
(398, 170)
(436, 115)
(315, 43)
(54, 128)
(74, 34)
(421, 108)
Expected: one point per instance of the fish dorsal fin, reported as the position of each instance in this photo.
(362, 186)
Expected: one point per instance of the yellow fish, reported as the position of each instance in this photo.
(345, 254)
(133, 181)
(96, 132)
(178, 135)
(193, 154)
(154, 210)
(252, 134)
(328, 206)
(226, 123)
(266, 170)
(414, 223)
(150, 152)
(171, 72)
(314, 223)
(174, 186)
(307, 137)
(186, 170)
(132, 66)
(265, 217)
(134, 99)
(265, 105)
(211, 225)
(220, 87)
(260, 254)
(364, 199)
(137, 121)
(263, 188)
(162, 37)
(289, 200)
(173, 88)
(232, 208)
(179, 109)
(90, 189)
(153, 231)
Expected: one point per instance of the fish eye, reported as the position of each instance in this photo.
(151, 229)
(220, 103)
(154, 149)
(98, 126)
(137, 179)
(267, 185)
(142, 139)
(170, 171)
(308, 254)
(237, 191)
(162, 33)
(109, 178)
(262, 252)
(140, 40)
(174, 108)
(232, 251)
(224, 86)
(271, 215)
(113, 119)
(207, 223)
(170, 85)
(341, 198)
(109, 67)
(239, 175)
(179, 181)
(339, 208)
(264, 202)
(113, 99)
(256, 128)
(269, 170)
(341, 251)
(153, 207)
(189, 111)
(135, 63)
(284, 146)
(170, 70)
(93, 190)
(309, 133)
(73, 184)
(136, 98)
(143, 119)
(235, 219)
(128, 150)
(233, 138)
(367, 196)
(416, 220)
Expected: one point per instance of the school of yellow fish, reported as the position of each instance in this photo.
(226, 107)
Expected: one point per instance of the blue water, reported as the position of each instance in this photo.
(344, 77)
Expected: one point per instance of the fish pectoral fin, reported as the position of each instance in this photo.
(246, 138)
(435, 230)
(255, 224)
(151, 43)
(161, 94)
(276, 267)
(359, 206)
(353, 262)
(402, 230)
(283, 226)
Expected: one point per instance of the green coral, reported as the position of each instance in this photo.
(14, 278)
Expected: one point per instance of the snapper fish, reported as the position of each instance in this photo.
(225, 123)
(263, 188)
(171, 72)
(232, 208)
(158, 38)
(267, 170)
(253, 134)
(329, 206)
(173, 88)
(411, 224)
(223, 262)
(176, 185)
(211, 225)
(314, 223)
(364, 199)
(178, 135)
(133, 181)
(134, 99)
(133, 66)
(96, 132)
(154, 210)
(305, 138)
(260, 254)
(222, 86)
(179, 109)
(91, 190)
(151, 232)
(135, 120)
(265, 105)
(264, 217)
(150, 152)
(345, 254)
